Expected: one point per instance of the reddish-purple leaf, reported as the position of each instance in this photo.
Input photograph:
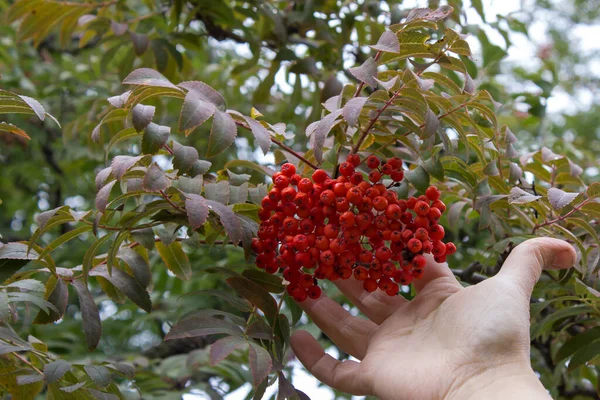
(574, 169)
(118, 28)
(55, 370)
(388, 85)
(321, 131)
(155, 179)
(222, 133)
(120, 100)
(205, 92)
(154, 138)
(548, 155)
(122, 164)
(262, 136)
(140, 42)
(138, 265)
(559, 198)
(366, 73)
(89, 314)
(469, 84)
(388, 43)
(184, 157)
(190, 185)
(519, 196)
(102, 196)
(260, 363)
(141, 116)
(352, 109)
(58, 297)
(194, 112)
(228, 219)
(222, 348)
(148, 77)
(285, 389)
(197, 210)
(515, 172)
(255, 294)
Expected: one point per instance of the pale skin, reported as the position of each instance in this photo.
(449, 342)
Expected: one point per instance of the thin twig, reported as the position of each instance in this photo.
(177, 207)
(28, 363)
(561, 217)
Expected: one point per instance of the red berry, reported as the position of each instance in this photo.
(314, 292)
(375, 176)
(414, 245)
(299, 294)
(421, 208)
(370, 285)
(361, 273)
(372, 162)
(327, 257)
(327, 197)
(395, 162)
(319, 176)
(434, 214)
(346, 169)
(419, 261)
(288, 170)
(380, 203)
(288, 194)
(393, 211)
(383, 253)
(439, 249)
(450, 248)
(347, 219)
(386, 169)
(436, 232)
(433, 193)
(305, 185)
(439, 205)
(397, 175)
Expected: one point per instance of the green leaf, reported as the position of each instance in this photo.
(126, 284)
(138, 265)
(10, 128)
(592, 209)
(269, 282)
(175, 259)
(154, 138)
(419, 178)
(577, 342)
(57, 294)
(196, 327)
(90, 316)
(593, 190)
(255, 294)
(546, 324)
(99, 374)
(59, 241)
(235, 301)
(90, 254)
(55, 370)
(584, 354)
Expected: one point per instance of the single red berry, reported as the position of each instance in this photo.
(414, 245)
(257, 245)
(386, 169)
(440, 259)
(356, 178)
(421, 208)
(375, 176)
(418, 273)
(319, 176)
(433, 193)
(327, 257)
(410, 203)
(322, 243)
(327, 197)
(388, 269)
(421, 234)
(439, 205)
(397, 175)
(340, 190)
(288, 170)
(314, 292)
(392, 211)
(331, 231)
(346, 169)
(383, 253)
(305, 185)
(385, 284)
(361, 273)
(450, 248)
(380, 203)
(281, 181)
(419, 261)
(299, 294)
(372, 162)
(436, 232)
(395, 162)
(347, 219)
(288, 194)
(439, 249)
(370, 285)
(337, 246)
(434, 214)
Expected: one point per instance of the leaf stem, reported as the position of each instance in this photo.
(28, 363)
(561, 217)
(280, 144)
(171, 202)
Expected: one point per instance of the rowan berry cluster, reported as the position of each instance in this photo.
(324, 228)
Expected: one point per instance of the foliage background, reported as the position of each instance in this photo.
(284, 60)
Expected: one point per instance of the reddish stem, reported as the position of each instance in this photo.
(561, 217)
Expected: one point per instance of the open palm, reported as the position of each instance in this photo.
(438, 344)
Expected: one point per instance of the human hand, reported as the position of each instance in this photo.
(449, 342)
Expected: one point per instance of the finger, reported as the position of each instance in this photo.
(344, 376)
(436, 277)
(377, 306)
(525, 263)
(349, 333)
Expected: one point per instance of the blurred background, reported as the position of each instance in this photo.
(539, 58)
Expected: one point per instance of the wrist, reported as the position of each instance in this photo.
(508, 381)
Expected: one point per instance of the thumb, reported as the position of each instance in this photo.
(525, 263)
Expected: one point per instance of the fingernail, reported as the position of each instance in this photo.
(564, 259)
